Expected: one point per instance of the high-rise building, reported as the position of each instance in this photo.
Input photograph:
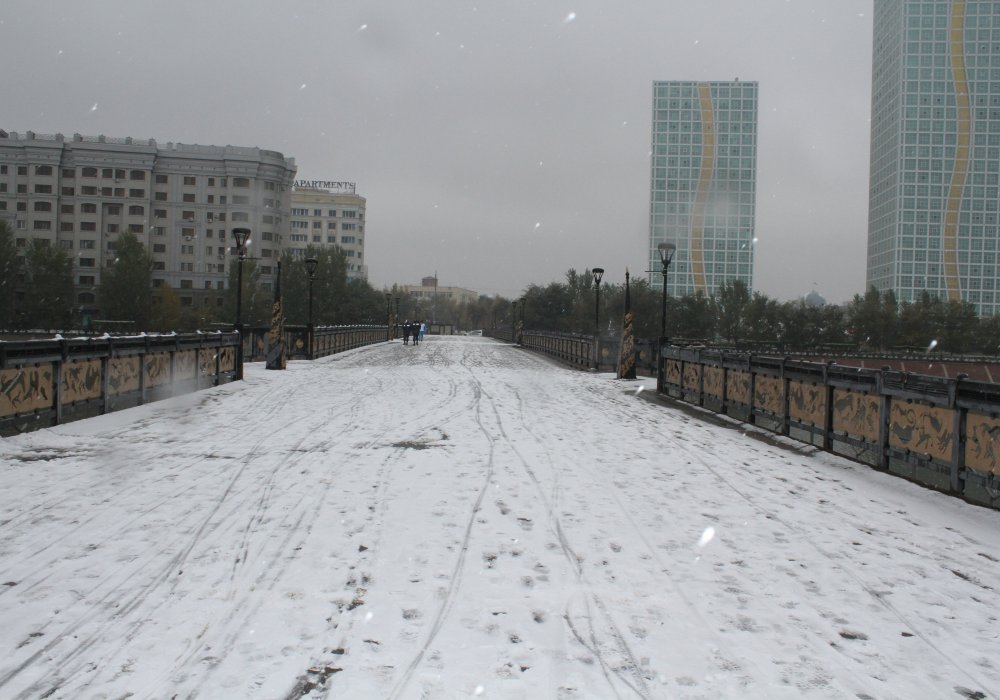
(935, 151)
(180, 201)
(326, 214)
(703, 183)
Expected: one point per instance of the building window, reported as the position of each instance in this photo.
(159, 247)
(86, 262)
(88, 208)
(159, 265)
(137, 194)
(66, 245)
(66, 226)
(136, 210)
(43, 206)
(159, 213)
(187, 284)
(187, 250)
(41, 225)
(88, 191)
(86, 280)
(88, 226)
(43, 189)
(137, 175)
(160, 196)
(89, 172)
(241, 182)
(161, 179)
(43, 170)
(189, 181)
(87, 244)
(111, 228)
(189, 197)
(68, 191)
(135, 228)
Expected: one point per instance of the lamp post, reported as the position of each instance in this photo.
(513, 321)
(666, 251)
(395, 321)
(388, 314)
(598, 273)
(311, 264)
(242, 236)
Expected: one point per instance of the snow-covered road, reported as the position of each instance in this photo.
(466, 519)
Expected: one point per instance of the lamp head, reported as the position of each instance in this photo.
(667, 251)
(598, 273)
(311, 264)
(242, 235)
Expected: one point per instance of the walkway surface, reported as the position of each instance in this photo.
(465, 519)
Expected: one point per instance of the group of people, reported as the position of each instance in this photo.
(413, 329)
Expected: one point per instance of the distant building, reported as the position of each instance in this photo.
(325, 213)
(180, 200)
(935, 151)
(430, 290)
(703, 179)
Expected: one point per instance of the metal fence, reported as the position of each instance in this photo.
(326, 340)
(47, 382)
(940, 432)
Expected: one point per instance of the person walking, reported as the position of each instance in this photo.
(415, 331)
(406, 332)
(421, 330)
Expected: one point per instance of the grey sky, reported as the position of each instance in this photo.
(497, 143)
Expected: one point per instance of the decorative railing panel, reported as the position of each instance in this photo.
(47, 382)
(941, 432)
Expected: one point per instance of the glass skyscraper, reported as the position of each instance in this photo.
(703, 183)
(935, 151)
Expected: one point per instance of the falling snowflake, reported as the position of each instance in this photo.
(362, 28)
(569, 18)
(302, 86)
(94, 108)
(706, 536)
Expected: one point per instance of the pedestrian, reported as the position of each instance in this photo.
(415, 331)
(421, 330)
(406, 332)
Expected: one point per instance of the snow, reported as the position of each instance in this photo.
(465, 519)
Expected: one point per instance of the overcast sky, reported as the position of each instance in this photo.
(497, 143)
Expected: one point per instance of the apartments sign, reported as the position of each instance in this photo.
(328, 185)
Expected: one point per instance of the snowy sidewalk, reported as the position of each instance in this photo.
(465, 519)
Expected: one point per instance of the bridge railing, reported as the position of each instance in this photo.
(326, 340)
(940, 432)
(48, 382)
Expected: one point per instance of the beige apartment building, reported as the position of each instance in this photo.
(328, 213)
(181, 201)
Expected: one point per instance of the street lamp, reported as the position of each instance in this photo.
(666, 251)
(242, 236)
(598, 273)
(395, 320)
(311, 264)
(513, 321)
(388, 313)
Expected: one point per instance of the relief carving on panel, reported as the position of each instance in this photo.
(157, 369)
(81, 381)
(692, 374)
(123, 375)
(922, 429)
(712, 385)
(672, 372)
(768, 395)
(185, 365)
(856, 413)
(227, 363)
(807, 402)
(738, 386)
(206, 361)
(982, 443)
(25, 389)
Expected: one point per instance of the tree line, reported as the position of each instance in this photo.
(37, 291)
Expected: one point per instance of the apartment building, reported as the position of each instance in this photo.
(180, 200)
(329, 213)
